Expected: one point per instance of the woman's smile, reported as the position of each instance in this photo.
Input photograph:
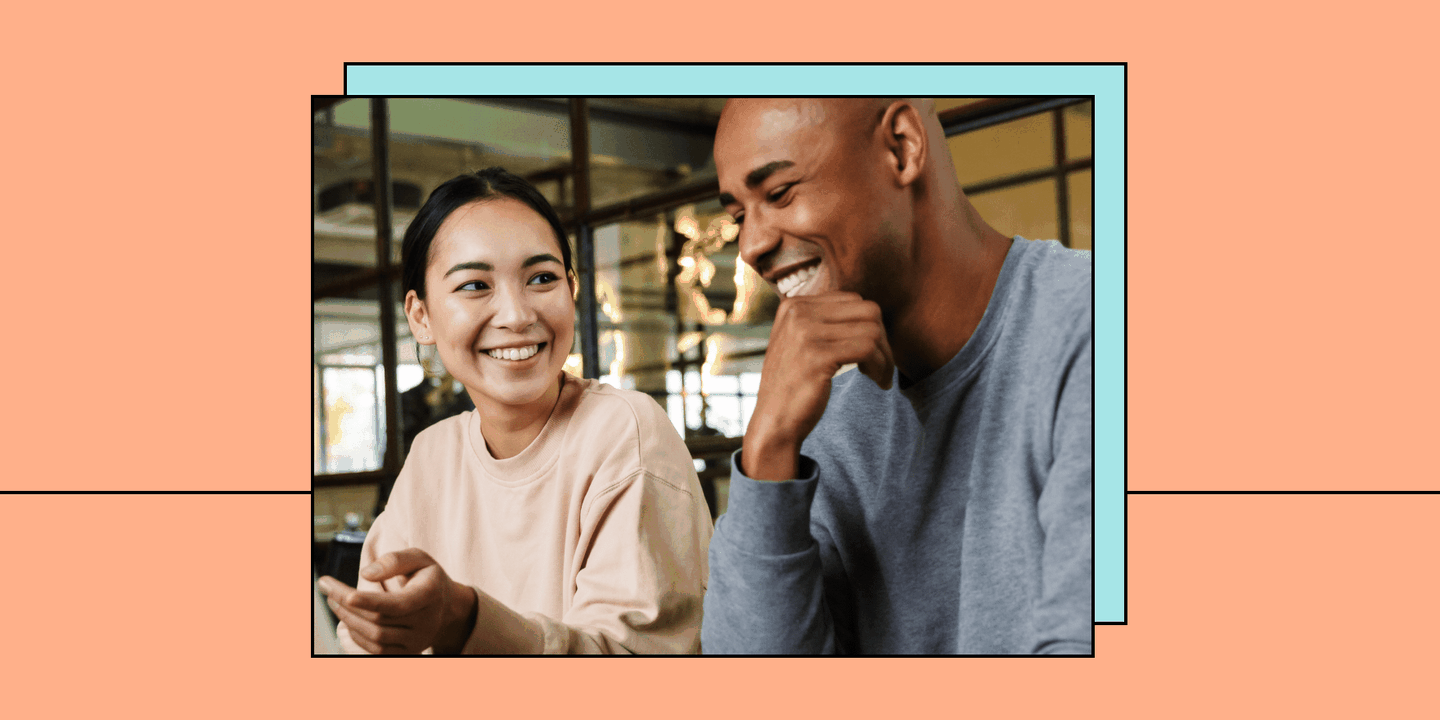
(516, 354)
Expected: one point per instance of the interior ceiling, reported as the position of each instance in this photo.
(699, 108)
(639, 145)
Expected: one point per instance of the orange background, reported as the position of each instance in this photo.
(1281, 240)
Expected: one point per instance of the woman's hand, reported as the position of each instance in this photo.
(428, 610)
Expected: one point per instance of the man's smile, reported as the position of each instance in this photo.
(793, 281)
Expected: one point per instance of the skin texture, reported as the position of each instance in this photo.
(494, 279)
(864, 190)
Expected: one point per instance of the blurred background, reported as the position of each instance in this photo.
(666, 306)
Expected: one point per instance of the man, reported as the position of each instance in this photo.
(939, 499)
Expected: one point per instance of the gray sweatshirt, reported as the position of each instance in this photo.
(948, 516)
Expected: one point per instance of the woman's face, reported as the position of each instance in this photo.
(498, 305)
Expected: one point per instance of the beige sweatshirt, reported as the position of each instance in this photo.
(597, 533)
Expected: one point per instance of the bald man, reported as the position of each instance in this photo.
(938, 499)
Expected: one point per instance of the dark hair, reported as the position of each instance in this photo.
(487, 184)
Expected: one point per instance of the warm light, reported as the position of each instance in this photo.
(698, 271)
(617, 366)
(712, 357)
(574, 363)
(662, 263)
(686, 225)
(609, 303)
(688, 340)
(745, 288)
(729, 231)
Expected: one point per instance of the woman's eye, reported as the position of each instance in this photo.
(474, 285)
(544, 278)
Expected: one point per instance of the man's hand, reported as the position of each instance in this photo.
(429, 609)
(813, 337)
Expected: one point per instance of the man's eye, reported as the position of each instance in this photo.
(779, 193)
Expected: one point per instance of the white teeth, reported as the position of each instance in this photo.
(791, 283)
(523, 353)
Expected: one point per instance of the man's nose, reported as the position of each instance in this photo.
(758, 242)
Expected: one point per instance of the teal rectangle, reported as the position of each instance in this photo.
(1105, 82)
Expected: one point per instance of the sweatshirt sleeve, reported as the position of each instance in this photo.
(1063, 615)
(766, 593)
(640, 587)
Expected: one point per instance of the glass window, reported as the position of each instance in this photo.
(639, 146)
(1078, 130)
(1006, 149)
(351, 419)
(349, 382)
(344, 222)
(1028, 210)
(682, 317)
(1079, 186)
(943, 104)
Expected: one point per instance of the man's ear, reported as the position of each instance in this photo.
(905, 139)
(418, 319)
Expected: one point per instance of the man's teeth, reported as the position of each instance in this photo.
(792, 282)
(520, 353)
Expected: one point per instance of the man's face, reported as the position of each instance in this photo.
(806, 181)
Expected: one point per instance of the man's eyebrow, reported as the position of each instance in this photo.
(757, 176)
(487, 267)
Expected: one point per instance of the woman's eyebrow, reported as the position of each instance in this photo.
(469, 266)
(487, 267)
(543, 257)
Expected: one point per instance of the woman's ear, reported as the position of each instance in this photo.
(418, 319)
(574, 285)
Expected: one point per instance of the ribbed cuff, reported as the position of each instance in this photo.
(767, 517)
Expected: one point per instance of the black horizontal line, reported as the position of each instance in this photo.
(154, 492)
(758, 63)
(1282, 492)
(599, 658)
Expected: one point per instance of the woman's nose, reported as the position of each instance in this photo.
(513, 309)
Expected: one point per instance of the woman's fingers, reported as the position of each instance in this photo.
(399, 563)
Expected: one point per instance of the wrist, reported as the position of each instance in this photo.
(458, 622)
(769, 456)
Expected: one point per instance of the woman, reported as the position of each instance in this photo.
(562, 515)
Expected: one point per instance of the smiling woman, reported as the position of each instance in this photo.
(562, 515)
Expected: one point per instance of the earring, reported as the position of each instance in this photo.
(426, 362)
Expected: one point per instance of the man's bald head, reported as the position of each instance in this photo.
(850, 118)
